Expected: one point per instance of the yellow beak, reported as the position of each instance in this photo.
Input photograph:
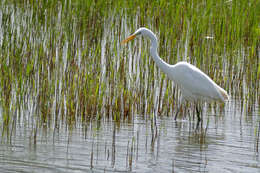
(131, 37)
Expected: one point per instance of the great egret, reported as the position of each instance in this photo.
(195, 85)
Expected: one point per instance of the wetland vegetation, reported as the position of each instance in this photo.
(63, 67)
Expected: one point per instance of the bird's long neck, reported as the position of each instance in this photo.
(153, 50)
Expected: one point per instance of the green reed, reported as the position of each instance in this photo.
(61, 61)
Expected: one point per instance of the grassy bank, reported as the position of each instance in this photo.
(62, 62)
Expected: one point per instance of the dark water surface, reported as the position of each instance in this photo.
(226, 142)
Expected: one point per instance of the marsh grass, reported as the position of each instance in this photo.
(62, 61)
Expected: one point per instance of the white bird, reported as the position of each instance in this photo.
(195, 85)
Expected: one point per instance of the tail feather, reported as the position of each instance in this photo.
(224, 94)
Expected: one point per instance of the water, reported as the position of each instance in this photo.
(225, 144)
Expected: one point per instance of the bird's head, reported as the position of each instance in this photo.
(140, 32)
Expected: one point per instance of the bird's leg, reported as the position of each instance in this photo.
(178, 109)
(198, 113)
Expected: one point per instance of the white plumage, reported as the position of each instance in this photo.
(197, 86)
